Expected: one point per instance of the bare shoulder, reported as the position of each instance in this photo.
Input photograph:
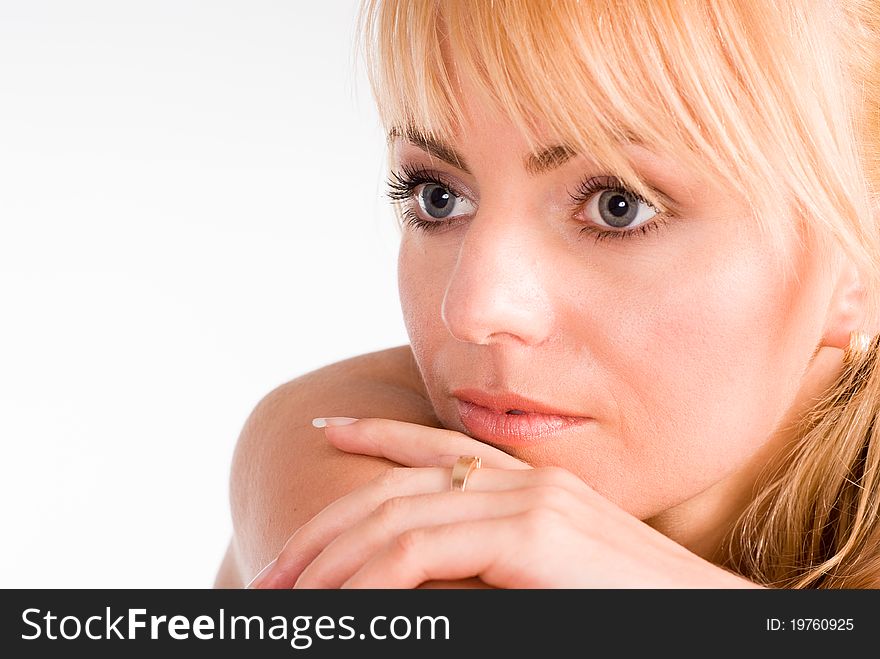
(283, 470)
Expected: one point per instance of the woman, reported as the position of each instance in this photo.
(639, 273)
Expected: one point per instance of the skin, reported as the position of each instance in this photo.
(284, 471)
(688, 346)
(514, 527)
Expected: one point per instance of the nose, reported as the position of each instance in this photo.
(498, 290)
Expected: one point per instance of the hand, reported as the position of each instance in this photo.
(514, 526)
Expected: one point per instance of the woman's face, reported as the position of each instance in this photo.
(660, 361)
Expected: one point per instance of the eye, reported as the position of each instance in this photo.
(439, 202)
(617, 208)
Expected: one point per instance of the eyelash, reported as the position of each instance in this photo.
(402, 185)
(591, 186)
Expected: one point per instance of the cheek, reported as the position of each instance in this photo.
(421, 281)
(707, 356)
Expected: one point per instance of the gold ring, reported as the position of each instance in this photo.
(462, 469)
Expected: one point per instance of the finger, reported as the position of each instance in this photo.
(307, 542)
(491, 549)
(347, 553)
(415, 445)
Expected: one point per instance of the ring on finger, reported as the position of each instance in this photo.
(462, 469)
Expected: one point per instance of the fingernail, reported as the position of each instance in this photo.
(324, 421)
(262, 574)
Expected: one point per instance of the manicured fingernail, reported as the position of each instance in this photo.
(261, 575)
(324, 421)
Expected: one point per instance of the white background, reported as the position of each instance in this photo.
(191, 213)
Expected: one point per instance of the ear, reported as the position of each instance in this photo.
(847, 310)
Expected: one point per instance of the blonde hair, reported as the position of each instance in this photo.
(776, 102)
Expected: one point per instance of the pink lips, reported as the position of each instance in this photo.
(486, 418)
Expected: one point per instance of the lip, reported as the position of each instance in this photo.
(504, 400)
(485, 417)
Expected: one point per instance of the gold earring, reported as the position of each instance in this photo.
(859, 345)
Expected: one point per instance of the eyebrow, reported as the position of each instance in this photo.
(535, 163)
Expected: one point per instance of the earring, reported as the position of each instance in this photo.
(859, 345)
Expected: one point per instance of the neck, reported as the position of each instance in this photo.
(702, 523)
